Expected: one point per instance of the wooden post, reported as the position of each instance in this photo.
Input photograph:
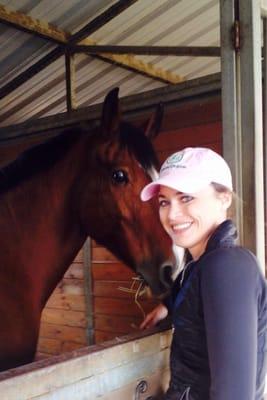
(88, 291)
(70, 82)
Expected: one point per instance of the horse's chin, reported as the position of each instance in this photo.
(160, 294)
(150, 290)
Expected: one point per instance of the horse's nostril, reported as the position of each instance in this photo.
(166, 275)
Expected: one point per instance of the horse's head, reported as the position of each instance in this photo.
(122, 161)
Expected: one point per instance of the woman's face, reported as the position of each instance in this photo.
(191, 219)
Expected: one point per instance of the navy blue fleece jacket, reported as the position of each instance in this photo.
(220, 324)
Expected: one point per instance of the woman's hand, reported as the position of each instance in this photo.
(156, 315)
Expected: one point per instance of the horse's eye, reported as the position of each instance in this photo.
(120, 177)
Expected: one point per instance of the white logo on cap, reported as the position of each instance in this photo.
(175, 158)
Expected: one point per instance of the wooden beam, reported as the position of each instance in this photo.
(135, 64)
(170, 95)
(87, 273)
(125, 61)
(149, 50)
(91, 27)
(25, 23)
(146, 69)
(70, 82)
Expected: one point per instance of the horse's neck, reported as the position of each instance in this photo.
(45, 227)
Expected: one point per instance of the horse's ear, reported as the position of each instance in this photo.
(154, 123)
(110, 119)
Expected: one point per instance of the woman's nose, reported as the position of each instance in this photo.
(175, 211)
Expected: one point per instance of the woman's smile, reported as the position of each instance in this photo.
(181, 227)
(191, 219)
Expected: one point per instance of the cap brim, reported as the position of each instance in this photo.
(189, 186)
(150, 191)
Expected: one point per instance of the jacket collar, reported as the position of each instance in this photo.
(225, 235)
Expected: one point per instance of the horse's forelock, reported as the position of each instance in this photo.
(135, 141)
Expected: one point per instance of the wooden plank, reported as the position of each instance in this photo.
(136, 64)
(49, 345)
(195, 112)
(189, 136)
(75, 271)
(62, 332)
(70, 286)
(64, 317)
(68, 346)
(79, 257)
(103, 336)
(26, 23)
(71, 97)
(205, 90)
(157, 385)
(112, 289)
(66, 302)
(111, 272)
(124, 307)
(113, 323)
(41, 356)
(101, 254)
(89, 372)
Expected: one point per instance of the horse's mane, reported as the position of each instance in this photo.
(41, 157)
(37, 159)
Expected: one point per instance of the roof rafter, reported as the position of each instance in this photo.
(196, 51)
(26, 23)
(49, 32)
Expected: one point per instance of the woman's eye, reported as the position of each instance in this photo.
(186, 198)
(163, 203)
(120, 177)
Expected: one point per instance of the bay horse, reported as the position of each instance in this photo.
(85, 181)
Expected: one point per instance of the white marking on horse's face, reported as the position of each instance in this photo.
(179, 253)
(153, 173)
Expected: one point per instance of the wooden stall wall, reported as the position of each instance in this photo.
(135, 367)
(115, 313)
(63, 322)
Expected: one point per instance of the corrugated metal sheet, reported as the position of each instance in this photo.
(157, 22)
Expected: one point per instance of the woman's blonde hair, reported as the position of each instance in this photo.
(235, 199)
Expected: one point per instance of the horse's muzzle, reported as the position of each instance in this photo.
(166, 273)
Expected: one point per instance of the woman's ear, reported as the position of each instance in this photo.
(226, 199)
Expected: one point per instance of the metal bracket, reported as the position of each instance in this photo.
(142, 388)
(236, 36)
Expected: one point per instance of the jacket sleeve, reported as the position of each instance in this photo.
(229, 293)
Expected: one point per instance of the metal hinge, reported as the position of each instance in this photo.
(236, 36)
(140, 389)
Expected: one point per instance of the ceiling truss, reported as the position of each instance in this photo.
(68, 45)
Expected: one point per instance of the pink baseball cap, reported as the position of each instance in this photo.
(189, 171)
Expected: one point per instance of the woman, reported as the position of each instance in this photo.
(219, 300)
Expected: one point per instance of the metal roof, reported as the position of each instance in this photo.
(144, 23)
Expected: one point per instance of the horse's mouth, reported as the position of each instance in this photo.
(159, 292)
